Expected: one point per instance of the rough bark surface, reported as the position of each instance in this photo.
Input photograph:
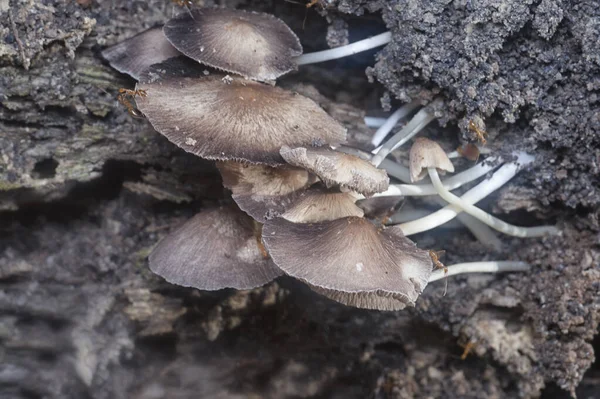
(86, 191)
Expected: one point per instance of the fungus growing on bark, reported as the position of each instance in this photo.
(255, 45)
(233, 118)
(338, 169)
(263, 191)
(320, 235)
(215, 249)
(351, 261)
(133, 56)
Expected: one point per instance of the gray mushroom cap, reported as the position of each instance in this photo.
(255, 45)
(424, 154)
(232, 118)
(215, 249)
(134, 55)
(319, 204)
(261, 191)
(338, 168)
(351, 261)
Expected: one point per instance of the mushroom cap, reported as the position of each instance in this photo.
(233, 118)
(216, 249)
(255, 45)
(261, 191)
(318, 204)
(136, 54)
(365, 266)
(424, 154)
(338, 168)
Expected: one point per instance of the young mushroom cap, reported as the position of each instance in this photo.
(261, 191)
(319, 204)
(424, 154)
(338, 168)
(216, 249)
(231, 118)
(351, 260)
(255, 45)
(133, 56)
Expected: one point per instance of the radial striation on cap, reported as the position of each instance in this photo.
(337, 168)
(216, 249)
(261, 191)
(255, 45)
(319, 204)
(133, 56)
(424, 154)
(351, 261)
(231, 119)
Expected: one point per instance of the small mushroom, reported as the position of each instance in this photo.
(255, 45)
(318, 204)
(337, 168)
(262, 191)
(351, 261)
(216, 249)
(133, 56)
(425, 154)
(233, 118)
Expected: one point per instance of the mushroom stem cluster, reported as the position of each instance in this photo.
(299, 198)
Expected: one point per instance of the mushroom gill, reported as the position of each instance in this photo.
(255, 45)
(215, 249)
(230, 118)
(351, 261)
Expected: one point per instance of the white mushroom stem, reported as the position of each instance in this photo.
(345, 51)
(374, 122)
(392, 121)
(485, 217)
(474, 195)
(452, 183)
(416, 124)
(480, 267)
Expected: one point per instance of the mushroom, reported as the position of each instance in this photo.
(319, 204)
(133, 56)
(351, 261)
(216, 249)
(425, 154)
(338, 168)
(263, 191)
(255, 45)
(231, 118)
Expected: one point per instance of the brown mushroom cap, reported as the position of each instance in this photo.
(136, 54)
(424, 154)
(318, 204)
(215, 249)
(338, 168)
(255, 45)
(231, 119)
(263, 192)
(357, 263)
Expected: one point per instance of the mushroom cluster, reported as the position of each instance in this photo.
(206, 81)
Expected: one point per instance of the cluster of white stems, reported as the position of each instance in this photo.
(475, 219)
